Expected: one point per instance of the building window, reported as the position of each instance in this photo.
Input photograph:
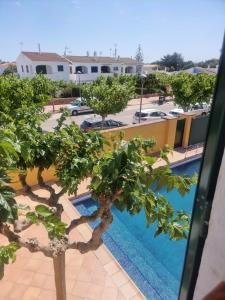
(121, 69)
(71, 70)
(22, 68)
(105, 69)
(27, 68)
(115, 68)
(60, 68)
(94, 69)
(41, 69)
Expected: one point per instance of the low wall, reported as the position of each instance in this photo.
(48, 175)
(57, 101)
(162, 131)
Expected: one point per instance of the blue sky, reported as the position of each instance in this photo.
(193, 28)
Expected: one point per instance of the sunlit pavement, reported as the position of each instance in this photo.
(125, 116)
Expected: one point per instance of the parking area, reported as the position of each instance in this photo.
(126, 116)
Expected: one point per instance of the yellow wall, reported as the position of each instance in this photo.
(163, 132)
(48, 175)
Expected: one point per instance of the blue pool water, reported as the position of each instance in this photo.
(154, 264)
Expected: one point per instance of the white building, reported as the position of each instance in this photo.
(52, 65)
(89, 68)
(74, 68)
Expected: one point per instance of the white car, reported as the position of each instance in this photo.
(199, 109)
(78, 107)
(148, 115)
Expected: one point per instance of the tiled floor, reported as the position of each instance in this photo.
(92, 276)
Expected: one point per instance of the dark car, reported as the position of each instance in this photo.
(98, 124)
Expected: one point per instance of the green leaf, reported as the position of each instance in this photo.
(7, 253)
(43, 210)
(33, 217)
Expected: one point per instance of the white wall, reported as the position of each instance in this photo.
(52, 67)
(212, 268)
(93, 76)
(53, 73)
(22, 60)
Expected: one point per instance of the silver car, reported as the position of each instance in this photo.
(148, 115)
(78, 107)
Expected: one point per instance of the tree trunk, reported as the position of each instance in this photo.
(60, 278)
(103, 120)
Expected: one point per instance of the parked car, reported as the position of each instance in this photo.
(148, 115)
(199, 109)
(98, 124)
(176, 112)
(78, 106)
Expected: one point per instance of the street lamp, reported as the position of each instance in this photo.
(79, 72)
(143, 76)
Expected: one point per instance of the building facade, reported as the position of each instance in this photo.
(74, 68)
(51, 65)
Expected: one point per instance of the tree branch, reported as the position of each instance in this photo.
(42, 183)
(32, 244)
(54, 197)
(96, 239)
(116, 195)
(85, 219)
(28, 190)
(20, 225)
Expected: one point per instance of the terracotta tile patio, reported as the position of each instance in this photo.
(92, 276)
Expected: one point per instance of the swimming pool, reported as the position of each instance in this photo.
(154, 264)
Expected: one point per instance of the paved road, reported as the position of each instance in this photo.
(125, 116)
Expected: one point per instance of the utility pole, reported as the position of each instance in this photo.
(65, 50)
(39, 48)
(21, 46)
(143, 76)
(115, 52)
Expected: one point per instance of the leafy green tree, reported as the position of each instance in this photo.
(43, 89)
(9, 150)
(212, 63)
(188, 64)
(189, 89)
(124, 177)
(16, 93)
(106, 98)
(173, 62)
(203, 88)
(11, 69)
(139, 54)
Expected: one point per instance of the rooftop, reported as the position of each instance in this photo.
(101, 59)
(44, 56)
(8, 64)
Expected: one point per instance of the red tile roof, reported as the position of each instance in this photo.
(101, 59)
(44, 56)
